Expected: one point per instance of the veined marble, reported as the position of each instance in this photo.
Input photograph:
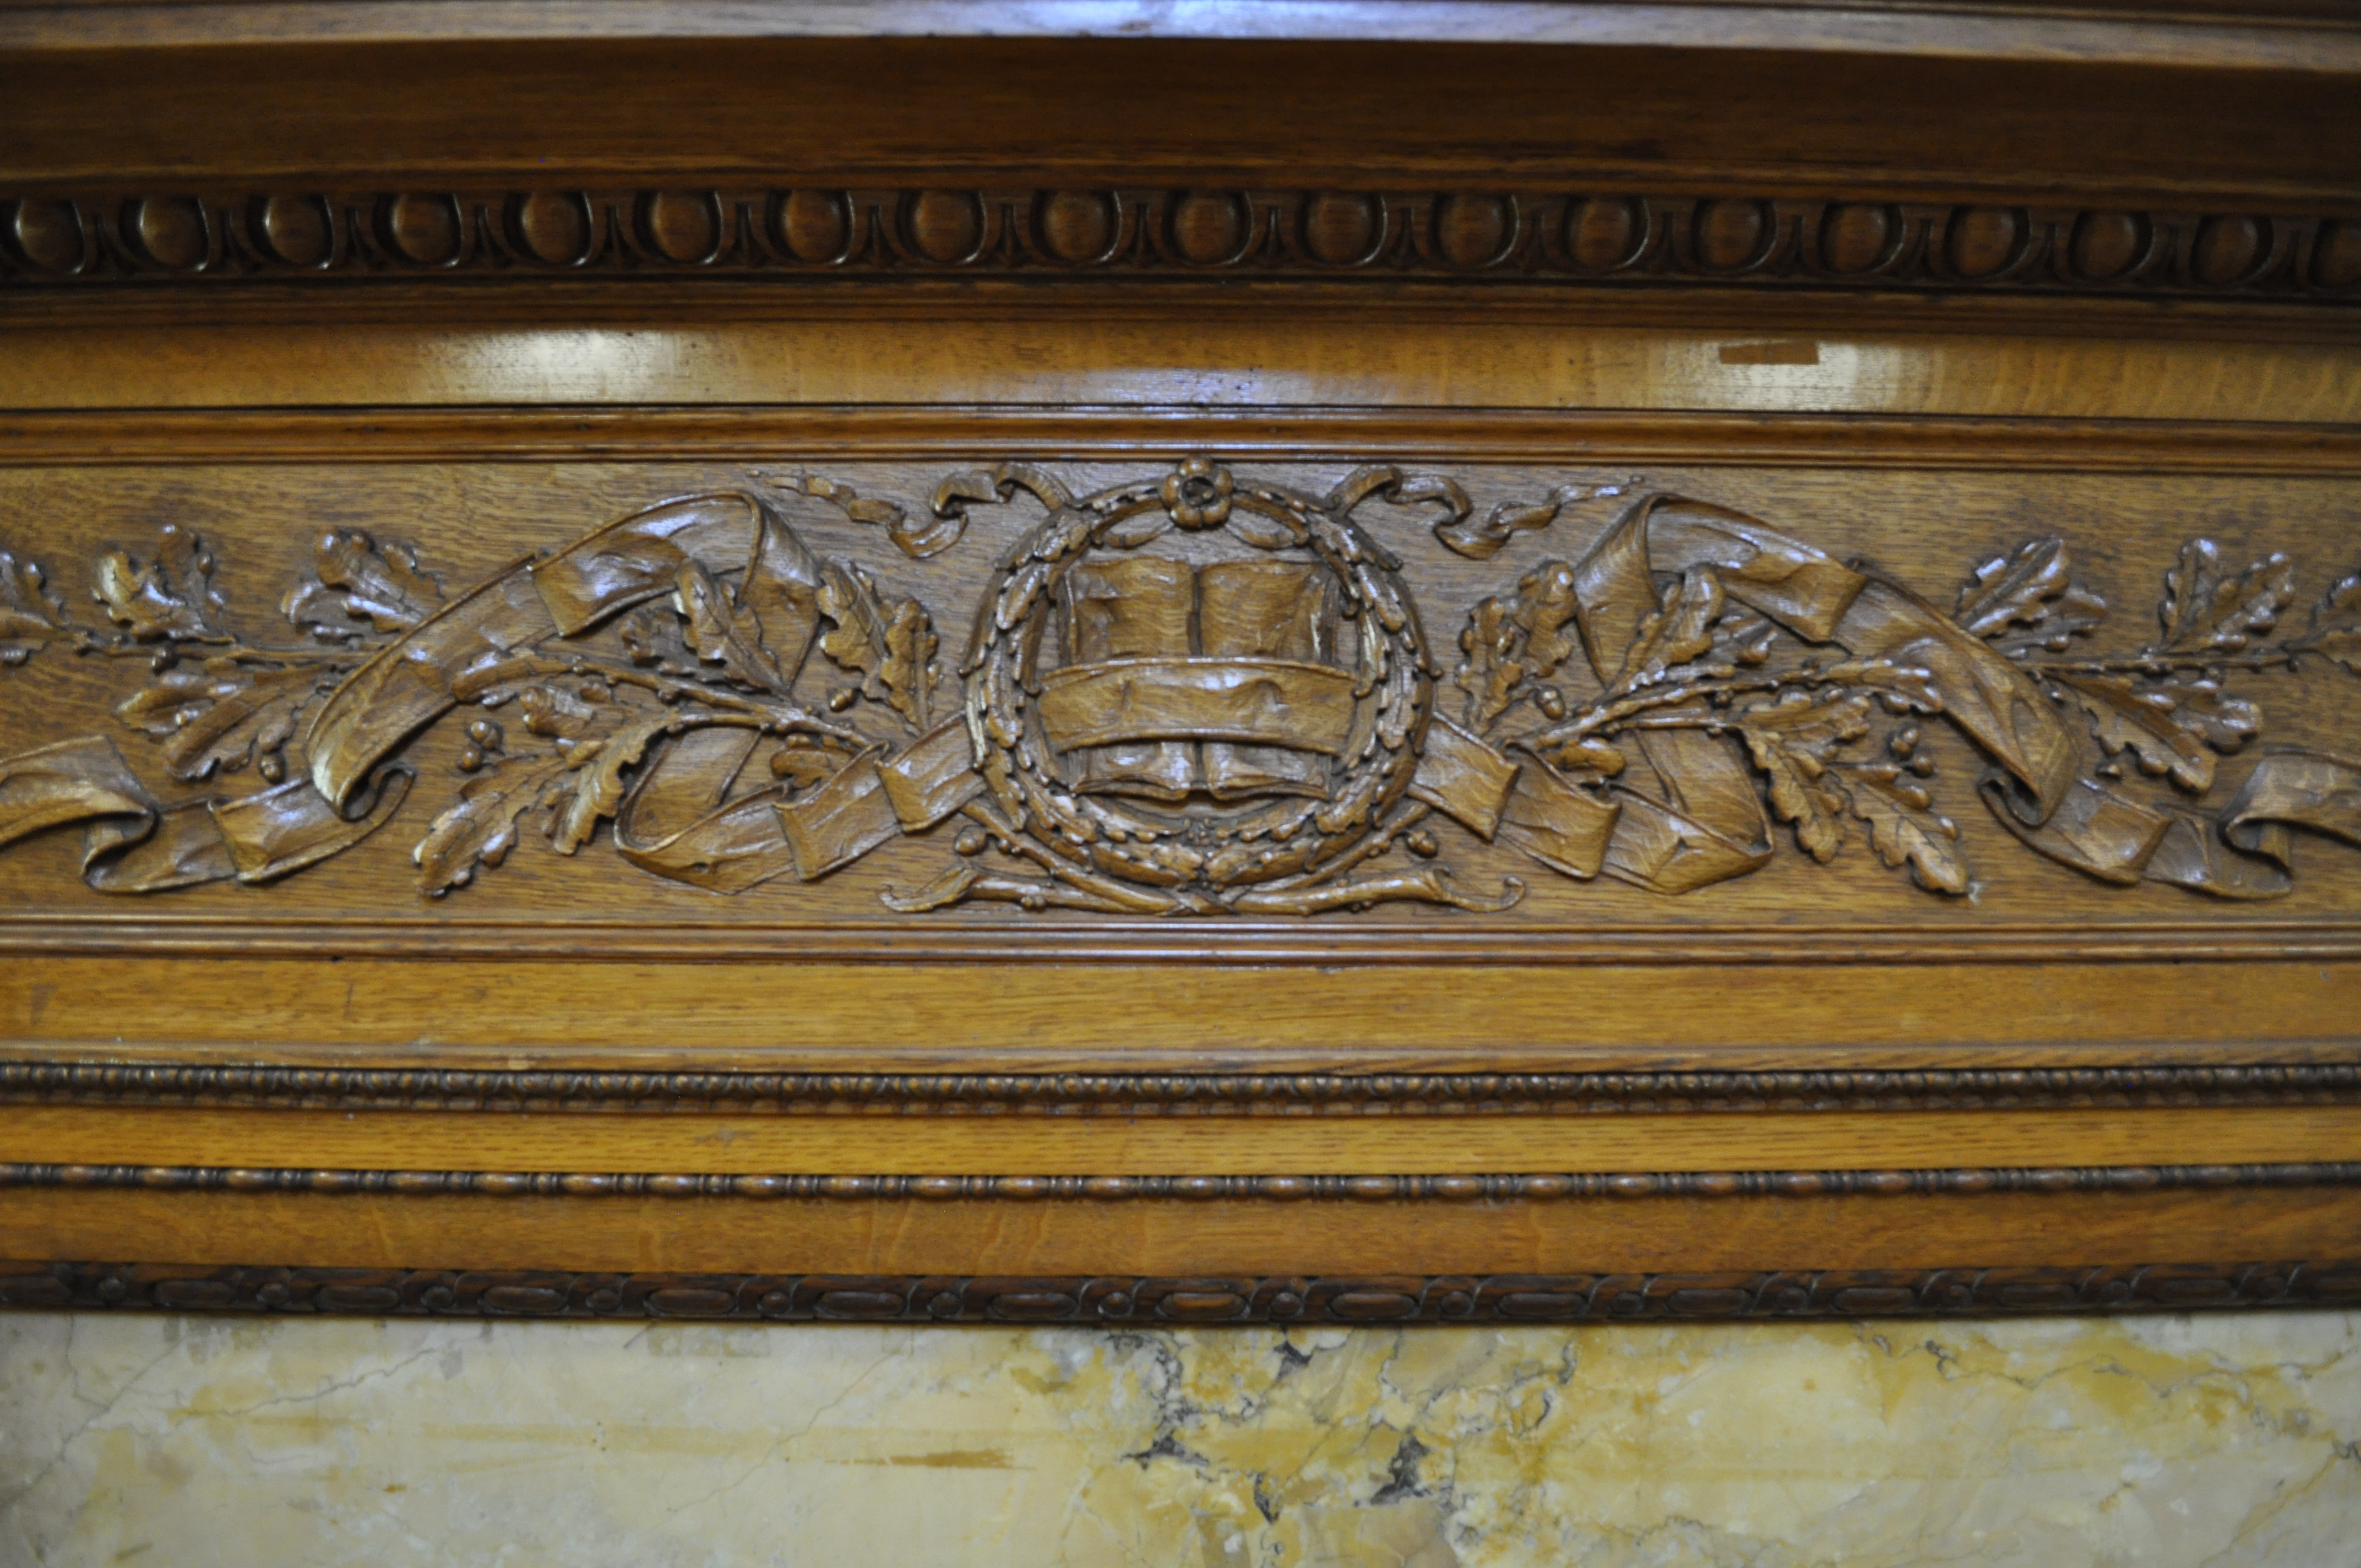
(185, 1442)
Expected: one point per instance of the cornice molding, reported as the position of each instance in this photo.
(1130, 1300)
(115, 237)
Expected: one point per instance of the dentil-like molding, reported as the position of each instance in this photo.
(131, 237)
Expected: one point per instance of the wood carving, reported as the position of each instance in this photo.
(1191, 1094)
(1469, 1188)
(1196, 693)
(1131, 1299)
(1611, 239)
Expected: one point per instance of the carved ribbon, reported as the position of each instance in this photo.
(131, 844)
(1701, 820)
(2245, 850)
(689, 817)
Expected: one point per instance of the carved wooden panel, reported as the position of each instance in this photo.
(846, 695)
(1116, 680)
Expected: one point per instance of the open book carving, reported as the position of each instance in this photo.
(1223, 679)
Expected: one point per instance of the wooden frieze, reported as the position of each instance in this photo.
(1193, 694)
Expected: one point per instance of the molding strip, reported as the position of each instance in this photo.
(64, 438)
(463, 939)
(379, 1089)
(1144, 1303)
(113, 236)
(1454, 1188)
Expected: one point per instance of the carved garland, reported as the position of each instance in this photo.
(1245, 721)
(1612, 238)
(1147, 1302)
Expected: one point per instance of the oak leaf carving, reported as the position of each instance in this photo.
(2030, 599)
(2207, 608)
(31, 617)
(598, 784)
(2147, 721)
(169, 598)
(481, 829)
(220, 716)
(722, 631)
(1791, 743)
(1905, 830)
(891, 646)
(353, 580)
(2337, 624)
(1490, 672)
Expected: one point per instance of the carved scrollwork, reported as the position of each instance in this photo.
(1197, 693)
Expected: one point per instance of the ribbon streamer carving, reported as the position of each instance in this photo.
(1197, 694)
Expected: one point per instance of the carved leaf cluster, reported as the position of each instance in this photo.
(891, 644)
(2168, 728)
(2206, 609)
(724, 631)
(599, 767)
(596, 739)
(2337, 624)
(168, 599)
(1904, 829)
(2028, 600)
(481, 828)
(354, 583)
(1508, 643)
(1679, 631)
(220, 714)
(31, 617)
(1792, 742)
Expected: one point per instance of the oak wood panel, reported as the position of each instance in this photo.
(1172, 110)
(2291, 36)
(1212, 359)
(529, 1013)
(1179, 1237)
(1102, 1145)
(51, 438)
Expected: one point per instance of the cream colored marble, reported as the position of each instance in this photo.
(185, 1442)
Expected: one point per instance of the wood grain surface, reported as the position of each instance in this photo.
(1179, 1236)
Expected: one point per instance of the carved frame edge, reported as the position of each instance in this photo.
(717, 227)
(1955, 1182)
(1137, 1302)
(105, 1083)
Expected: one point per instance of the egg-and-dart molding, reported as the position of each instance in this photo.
(1132, 1301)
(410, 1089)
(130, 236)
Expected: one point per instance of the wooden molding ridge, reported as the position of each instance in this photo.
(118, 1083)
(1120, 1299)
(1396, 1189)
(118, 237)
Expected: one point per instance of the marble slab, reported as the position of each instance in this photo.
(194, 1441)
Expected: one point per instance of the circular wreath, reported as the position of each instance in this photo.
(1196, 858)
